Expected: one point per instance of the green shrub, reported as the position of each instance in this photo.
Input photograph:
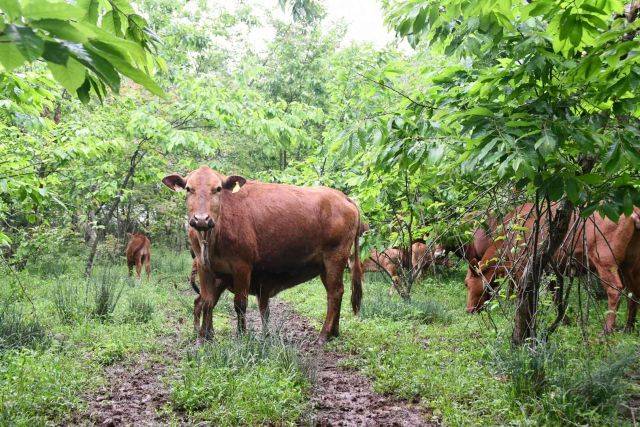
(19, 329)
(245, 381)
(556, 387)
(140, 308)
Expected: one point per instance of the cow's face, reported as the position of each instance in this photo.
(479, 282)
(203, 187)
(439, 252)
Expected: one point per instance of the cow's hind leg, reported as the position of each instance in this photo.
(138, 265)
(632, 283)
(332, 280)
(613, 287)
(263, 303)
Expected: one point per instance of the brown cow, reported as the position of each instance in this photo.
(139, 253)
(612, 253)
(423, 257)
(261, 238)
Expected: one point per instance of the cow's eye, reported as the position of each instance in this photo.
(189, 189)
(218, 189)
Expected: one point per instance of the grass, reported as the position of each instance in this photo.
(461, 366)
(249, 380)
(59, 333)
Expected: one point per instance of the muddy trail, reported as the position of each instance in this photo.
(134, 393)
(341, 396)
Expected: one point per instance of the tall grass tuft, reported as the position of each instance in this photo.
(140, 308)
(69, 303)
(106, 289)
(18, 329)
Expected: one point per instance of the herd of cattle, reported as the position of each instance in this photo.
(258, 238)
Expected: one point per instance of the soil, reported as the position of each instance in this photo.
(134, 393)
(341, 396)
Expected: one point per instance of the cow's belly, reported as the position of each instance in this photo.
(271, 282)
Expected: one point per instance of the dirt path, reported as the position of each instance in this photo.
(341, 396)
(134, 394)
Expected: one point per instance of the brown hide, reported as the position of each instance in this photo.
(138, 253)
(608, 249)
(262, 238)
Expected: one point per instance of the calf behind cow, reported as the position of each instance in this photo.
(260, 239)
(138, 253)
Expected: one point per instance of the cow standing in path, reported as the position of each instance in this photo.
(260, 239)
(139, 253)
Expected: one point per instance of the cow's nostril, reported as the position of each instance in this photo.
(192, 222)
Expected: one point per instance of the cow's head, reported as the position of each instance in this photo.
(204, 187)
(439, 252)
(480, 282)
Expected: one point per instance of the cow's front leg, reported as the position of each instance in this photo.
(241, 282)
(210, 292)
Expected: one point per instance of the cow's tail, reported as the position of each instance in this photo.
(356, 270)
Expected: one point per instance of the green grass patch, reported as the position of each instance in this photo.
(248, 380)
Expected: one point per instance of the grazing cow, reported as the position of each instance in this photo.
(260, 239)
(608, 249)
(139, 253)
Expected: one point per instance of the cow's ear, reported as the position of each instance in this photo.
(174, 181)
(230, 182)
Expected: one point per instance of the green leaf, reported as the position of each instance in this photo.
(546, 144)
(575, 35)
(70, 76)
(51, 9)
(27, 42)
(83, 91)
(12, 8)
(612, 159)
(572, 188)
(10, 56)
(610, 212)
(55, 52)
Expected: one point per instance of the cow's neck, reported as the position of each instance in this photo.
(207, 243)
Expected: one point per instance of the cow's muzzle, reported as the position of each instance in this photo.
(201, 222)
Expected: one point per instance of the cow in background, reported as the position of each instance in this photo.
(610, 250)
(138, 253)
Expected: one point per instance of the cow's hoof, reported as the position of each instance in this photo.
(321, 340)
(628, 329)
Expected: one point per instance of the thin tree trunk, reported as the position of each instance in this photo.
(529, 286)
(135, 160)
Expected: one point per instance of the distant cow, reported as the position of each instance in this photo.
(424, 255)
(139, 253)
(612, 253)
(260, 239)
